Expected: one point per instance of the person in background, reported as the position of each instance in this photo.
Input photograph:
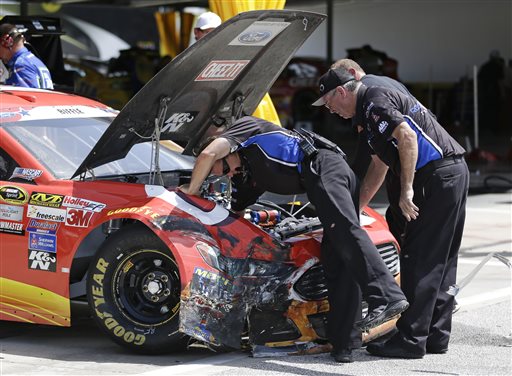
(259, 157)
(434, 182)
(25, 69)
(491, 90)
(206, 23)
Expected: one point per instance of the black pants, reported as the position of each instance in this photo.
(429, 255)
(394, 217)
(351, 261)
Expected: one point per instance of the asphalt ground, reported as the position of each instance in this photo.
(481, 342)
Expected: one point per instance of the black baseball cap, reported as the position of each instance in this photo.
(331, 80)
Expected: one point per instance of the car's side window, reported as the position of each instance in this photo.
(7, 165)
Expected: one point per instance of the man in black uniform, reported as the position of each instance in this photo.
(407, 139)
(259, 156)
(394, 217)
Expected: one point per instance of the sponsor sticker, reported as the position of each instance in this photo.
(259, 33)
(42, 227)
(11, 213)
(15, 228)
(42, 242)
(78, 217)
(81, 203)
(177, 120)
(48, 214)
(222, 70)
(13, 195)
(46, 199)
(382, 126)
(40, 260)
(26, 173)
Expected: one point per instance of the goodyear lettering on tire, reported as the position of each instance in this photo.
(110, 323)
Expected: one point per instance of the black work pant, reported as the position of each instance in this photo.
(350, 258)
(429, 255)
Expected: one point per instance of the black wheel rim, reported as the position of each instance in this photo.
(147, 287)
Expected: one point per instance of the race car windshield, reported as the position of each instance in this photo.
(61, 145)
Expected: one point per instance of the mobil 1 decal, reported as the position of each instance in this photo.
(259, 33)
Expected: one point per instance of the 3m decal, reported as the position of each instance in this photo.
(259, 33)
(81, 203)
(49, 214)
(13, 195)
(177, 120)
(42, 242)
(78, 218)
(11, 213)
(42, 227)
(222, 70)
(39, 260)
(15, 228)
(46, 199)
(26, 173)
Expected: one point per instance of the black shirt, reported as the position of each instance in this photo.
(271, 160)
(382, 110)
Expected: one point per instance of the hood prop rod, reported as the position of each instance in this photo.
(155, 142)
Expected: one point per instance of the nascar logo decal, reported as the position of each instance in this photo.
(222, 70)
(26, 173)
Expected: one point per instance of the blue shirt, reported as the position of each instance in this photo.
(28, 71)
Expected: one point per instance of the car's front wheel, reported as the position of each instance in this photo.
(133, 289)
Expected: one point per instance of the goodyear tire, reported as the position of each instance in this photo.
(133, 289)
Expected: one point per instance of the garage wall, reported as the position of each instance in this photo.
(433, 41)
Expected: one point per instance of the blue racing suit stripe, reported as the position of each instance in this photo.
(428, 150)
(280, 147)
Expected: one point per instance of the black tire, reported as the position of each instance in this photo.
(133, 290)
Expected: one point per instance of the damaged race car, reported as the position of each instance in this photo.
(90, 210)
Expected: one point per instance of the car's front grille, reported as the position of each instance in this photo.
(389, 254)
(313, 285)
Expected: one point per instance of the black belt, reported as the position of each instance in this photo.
(438, 163)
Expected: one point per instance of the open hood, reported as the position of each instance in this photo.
(209, 85)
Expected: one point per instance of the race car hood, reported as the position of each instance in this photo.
(209, 85)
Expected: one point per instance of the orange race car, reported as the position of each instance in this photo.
(89, 209)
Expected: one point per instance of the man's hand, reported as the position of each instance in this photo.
(409, 210)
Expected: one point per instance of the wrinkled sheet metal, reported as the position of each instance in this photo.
(214, 306)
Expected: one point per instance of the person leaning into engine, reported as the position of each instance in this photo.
(259, 156)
